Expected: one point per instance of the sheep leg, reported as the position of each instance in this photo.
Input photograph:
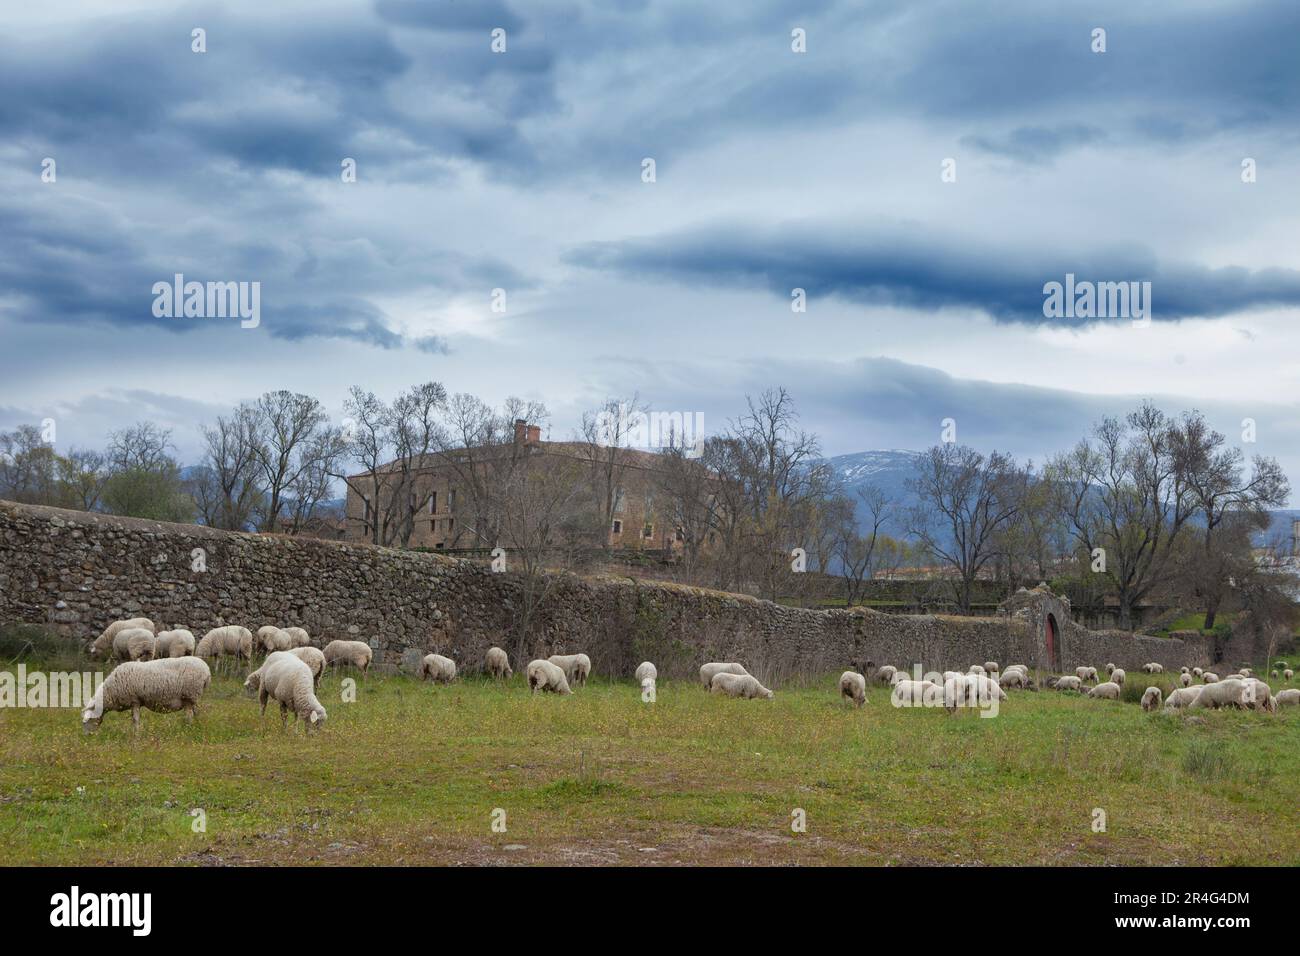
(135, 718)
(264, 697)
(284, 717)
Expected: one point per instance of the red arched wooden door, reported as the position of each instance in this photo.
(1052, 637)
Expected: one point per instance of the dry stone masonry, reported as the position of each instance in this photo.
(77, 571)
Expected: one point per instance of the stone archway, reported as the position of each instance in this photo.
(1046, 620)
(1052, 638)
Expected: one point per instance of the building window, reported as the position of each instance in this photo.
(451, 524)
(451, 500)
(439, 545)
(618, 526)
(648, 531)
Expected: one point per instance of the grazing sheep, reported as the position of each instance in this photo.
(437, 668)
(646, 669)
(1110, 669)
(545, 676)
(576, 667)
(648, 689)
(497, 663)
(1118, 676)
(1273, 673)
(853, 686)
(1153, 668)
(708, 671)
(135, 644)
(162, 686)
(1185, 680)
(976, 669)
(1262, 697)
(1288, 674)
(970, 690)
(298, 636)
(1016, 667)
(949, 675)
(288, 679)
(1246, 672)
(271, 638)
(102, 646)
(1209, 677)
(1068, 683)
(1184, 669)
(314, 658)
(990, 667)
(739, 685)
(914, 693)
(898, 677)
(1086, 674)
(886, 674)
(1288, 698)
(1183, 697)
(1108, 690)
(1151, 698)
(1197, 672)
(1229, 692)
(231, 640)
(1012, 678)
(356, 653)
(175, 643)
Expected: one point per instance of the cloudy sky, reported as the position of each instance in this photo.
(774, 170)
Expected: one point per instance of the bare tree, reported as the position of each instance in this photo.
(288, 424)
(369, 443)
(606, 435)
(965, 499)
(413, 425)
(855, 548)
(1126, 496)
(232, 460)
(82, 475)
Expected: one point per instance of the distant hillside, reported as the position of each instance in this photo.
(888, 470)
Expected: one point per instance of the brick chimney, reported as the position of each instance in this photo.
(534, 434)
(526, 433)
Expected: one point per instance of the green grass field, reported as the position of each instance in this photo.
(411, 774)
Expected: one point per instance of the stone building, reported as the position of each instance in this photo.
(445, 520)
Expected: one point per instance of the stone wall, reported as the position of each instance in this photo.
(77, 571)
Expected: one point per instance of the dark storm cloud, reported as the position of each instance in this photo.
(919, 268)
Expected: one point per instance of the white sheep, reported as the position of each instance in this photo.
(1262, 698)
(545, 676)
(1288, 674)
(1229, 692)
(1016, 667)
(175, 643)
(1012, 678)
(1246, 672)
(497, 663)
(1108, 691)
(1209, 677)
(437, 668)
(739, 685)
(1151, 698)
(1069, 683)
(298, 636)
(853, 686)
(1118, 676)
(1273, 673)
(162, 686)
(707, 671)
(1185, 680)
(914, 693)
(135, 644)
(1288, 698)
(271, 638)
(1086, 674)
(314, 658)
(886, 674)
(1110, 669)
(288, 679)
(1183, 697)
(967, 690)
(646, 669)
(949, 675)
(990, 667)
(975, 669)
(1184, 669)
(356, 653)
(231, 640)
(1153, 668)
(576, 667)
(102, 646)
(1197, 672)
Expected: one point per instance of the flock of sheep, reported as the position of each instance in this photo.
(984, 682)
(168, 671)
